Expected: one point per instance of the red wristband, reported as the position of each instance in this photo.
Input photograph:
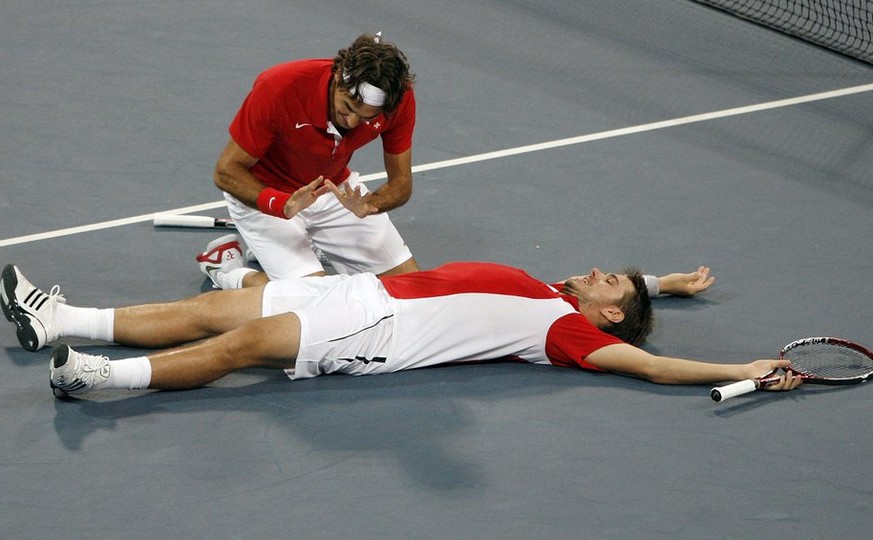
(272, 202)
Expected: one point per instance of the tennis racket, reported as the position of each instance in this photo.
(199, 222)
(817, 360)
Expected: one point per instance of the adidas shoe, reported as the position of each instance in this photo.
(222, 255)
(28, 308)
(76, 373)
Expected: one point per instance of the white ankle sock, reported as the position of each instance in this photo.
(232, 279)
(128, 373)
(91, 323)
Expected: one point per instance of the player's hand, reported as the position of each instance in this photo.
(782, 380)
(305, 196)
(686, 284)
(352, 198)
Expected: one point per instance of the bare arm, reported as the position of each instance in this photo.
(398, 189)
(686, 284)
(392, 194)
(232, 174)
(629, 360)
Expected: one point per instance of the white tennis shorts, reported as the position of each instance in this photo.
(353, 244)
(346, 323)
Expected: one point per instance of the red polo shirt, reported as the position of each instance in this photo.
(284, 120)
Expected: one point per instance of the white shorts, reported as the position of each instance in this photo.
(346, 323)
(353, 244)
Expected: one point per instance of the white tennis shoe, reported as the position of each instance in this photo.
(28, 308)
(76, 373)
(221, 256)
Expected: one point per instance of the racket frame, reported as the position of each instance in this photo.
(830, 381)
(739, 388)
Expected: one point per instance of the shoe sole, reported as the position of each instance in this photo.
(60, 356)
(219, 243)
(27, 337)
(205, 256)
(6, 304)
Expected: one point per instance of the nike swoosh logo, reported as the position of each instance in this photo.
(270, 204)
(299, 125)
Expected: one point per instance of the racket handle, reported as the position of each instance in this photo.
(722, 393)
(200, 222)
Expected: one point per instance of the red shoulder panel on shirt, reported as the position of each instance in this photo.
(572, 338)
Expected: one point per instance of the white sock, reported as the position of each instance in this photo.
(232, 279)
(128, 373)
(92, 323)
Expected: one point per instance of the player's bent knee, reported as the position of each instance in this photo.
(407, 266)
(255, 279)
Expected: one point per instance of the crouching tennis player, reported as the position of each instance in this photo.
(365, 325)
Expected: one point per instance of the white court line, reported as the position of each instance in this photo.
(484, 157)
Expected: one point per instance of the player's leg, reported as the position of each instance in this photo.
(269, 336)
(41, 318)
(252, 327)
(202, 316)
(270, 342)
(356, 245)
(280, 246)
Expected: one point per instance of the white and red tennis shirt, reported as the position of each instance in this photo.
(470, 311)
(459, 312)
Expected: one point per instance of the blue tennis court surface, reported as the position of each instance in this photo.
(117, 110)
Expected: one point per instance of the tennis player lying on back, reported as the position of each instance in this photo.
(362, 325)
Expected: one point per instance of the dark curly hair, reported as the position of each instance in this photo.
(371, 60)
(637, 307)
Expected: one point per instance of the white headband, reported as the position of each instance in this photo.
(371, 95)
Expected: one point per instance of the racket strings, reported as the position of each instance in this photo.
(830, 361)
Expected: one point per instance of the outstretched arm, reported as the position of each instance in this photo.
(629, 360)
(683, 284)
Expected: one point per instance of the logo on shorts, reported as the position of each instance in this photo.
(365, 360)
